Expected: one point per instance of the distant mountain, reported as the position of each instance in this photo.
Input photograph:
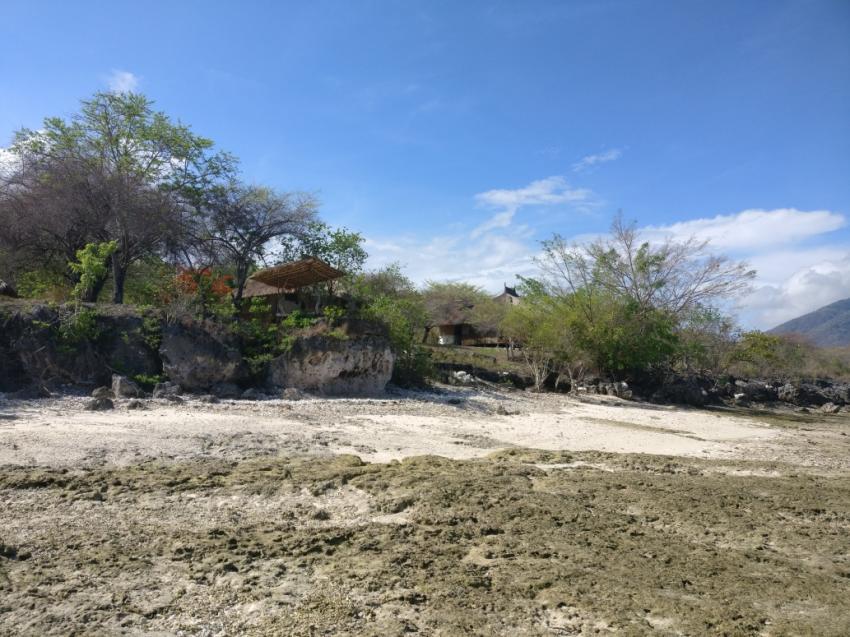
(828, 327)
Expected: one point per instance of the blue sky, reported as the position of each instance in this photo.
(456, 135)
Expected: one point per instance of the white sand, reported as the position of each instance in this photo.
(60, 432)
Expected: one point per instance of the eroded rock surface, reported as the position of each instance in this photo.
(198, 357)
(354, 359)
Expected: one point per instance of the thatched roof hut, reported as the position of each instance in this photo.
(289, 277)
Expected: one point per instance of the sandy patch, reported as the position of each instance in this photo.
(457, 424)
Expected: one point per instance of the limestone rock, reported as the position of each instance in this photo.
(166, 389)
(292, 393)
(123, 387)
(226, 390)
(358, 363)
(198, 356)
(103, 392)
(99, 404)
(252, 393)
(830, 408)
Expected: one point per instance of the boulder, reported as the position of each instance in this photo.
(209, 398)
(682, 390)
(31, 392)
(198, 356)
(463, 378)
(166, 390)
(830, 408)
(135, 403)
(7, 290)
(226, 390)
(99, 404)
(292, 393)
(103, 392)
(803, 394)
(756, 391)
(123, 387)
(252, 393)
(355, 359)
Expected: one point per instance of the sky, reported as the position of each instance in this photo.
(455, 136)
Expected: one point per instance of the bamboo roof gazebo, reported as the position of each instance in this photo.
(289, 277)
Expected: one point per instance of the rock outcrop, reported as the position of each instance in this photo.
(199, 356)
(37, 346)
(353, 359)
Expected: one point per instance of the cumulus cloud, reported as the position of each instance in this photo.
(550, 191)
(589, 161)
(811, 287)
(754, 229)
(800, 266)
(122, 81)
(794, 277)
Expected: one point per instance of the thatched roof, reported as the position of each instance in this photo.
(291, 276)
(256, 288)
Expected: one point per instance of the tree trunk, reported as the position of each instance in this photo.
(119, 276)
(241, 279)
(91, 294)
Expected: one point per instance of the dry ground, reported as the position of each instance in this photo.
(422, 514)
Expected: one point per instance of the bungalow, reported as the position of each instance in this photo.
(454, 327)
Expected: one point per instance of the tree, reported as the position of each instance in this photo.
(544, 328)
(47, 216)
(675, 276)
(451, 302)
(639, 302)
(388, 281)
(130, 169)
(91, 266)
(338, 247)
(237, 223)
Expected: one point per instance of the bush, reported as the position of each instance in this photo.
(404, 319)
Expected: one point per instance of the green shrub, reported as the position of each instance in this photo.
(149, 381)
(77, 327)
(404, 318)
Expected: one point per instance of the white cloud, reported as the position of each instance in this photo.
(122, 81)
(800, 268)
(487, 261)
(809, 288)
(754, 229)
(793, 276)
(7, 162)
(589, 161)
(550, 191)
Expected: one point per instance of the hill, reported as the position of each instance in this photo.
(827, 327)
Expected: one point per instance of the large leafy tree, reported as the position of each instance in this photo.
(451, 302)
(118, 170)
(237, 223)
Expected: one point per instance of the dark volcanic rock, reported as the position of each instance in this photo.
(682, 390)
(803, 394)
(756, 391)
